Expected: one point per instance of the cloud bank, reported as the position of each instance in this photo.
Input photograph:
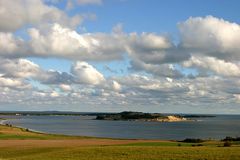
(203, 68)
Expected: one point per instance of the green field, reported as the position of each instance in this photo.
(121, 153)
(19, 144)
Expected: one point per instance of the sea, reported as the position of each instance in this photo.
(217, 127)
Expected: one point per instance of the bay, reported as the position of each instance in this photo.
(205, 128)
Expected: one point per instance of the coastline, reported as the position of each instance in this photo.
(72, 129)
(2, 122)
(29, 130)
(78, 137)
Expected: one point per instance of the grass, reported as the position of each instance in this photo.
(19, 144)
(122, 153)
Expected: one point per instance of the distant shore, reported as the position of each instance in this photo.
(78, 126)
(140, 116)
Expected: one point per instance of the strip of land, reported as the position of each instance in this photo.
(140, 116)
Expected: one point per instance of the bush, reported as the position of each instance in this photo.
(231, 139)
(193, 140)
(227, 144)
(100, 117)
(196, 145)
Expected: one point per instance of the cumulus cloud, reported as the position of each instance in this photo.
(82, 73)
(65, 87)
(25, 69)
(211, 36)
(151, 84)
(85, 73)
(11, 46)
(161, 70)
(20, 68)
(116, 86)
(58, 41)
(13, 83)
(54, 94)
(153, 49)
(198, 91)
(63, 42)
(55, 77)
(15, 14)
(147, 51)
(211, 64)
(157, 71)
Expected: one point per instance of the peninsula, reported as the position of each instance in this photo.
(140, 116)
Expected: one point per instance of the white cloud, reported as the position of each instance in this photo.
(15, 14)
(169, 79)
(11, 46)
(64, 42)
(54, 94)
(153, 49)
(13, 83)
(215, 65)
(61, 42)
(161, 70)
(65, 87)
(20, 68)
(25, 69)
(85, 73)
(237, 97)
(58, 41)
(211, 36)
(208, 44)
(116, 86)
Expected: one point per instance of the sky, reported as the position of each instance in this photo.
(166, 56)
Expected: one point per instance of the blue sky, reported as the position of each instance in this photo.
(115, 55)
(154, 15)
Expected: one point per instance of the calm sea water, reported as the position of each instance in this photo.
(215, 128)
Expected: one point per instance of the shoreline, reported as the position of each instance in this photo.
(79, 136)
(4, 122)
(38, 132)
(90, 137)
(82, 136)
(75, 136)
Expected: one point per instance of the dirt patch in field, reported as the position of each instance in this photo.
(54, 140)
(66, 143)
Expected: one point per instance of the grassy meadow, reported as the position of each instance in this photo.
(21, 144)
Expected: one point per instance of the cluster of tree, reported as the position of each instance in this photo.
(231, 139)
(129, 116)
(192, 140)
